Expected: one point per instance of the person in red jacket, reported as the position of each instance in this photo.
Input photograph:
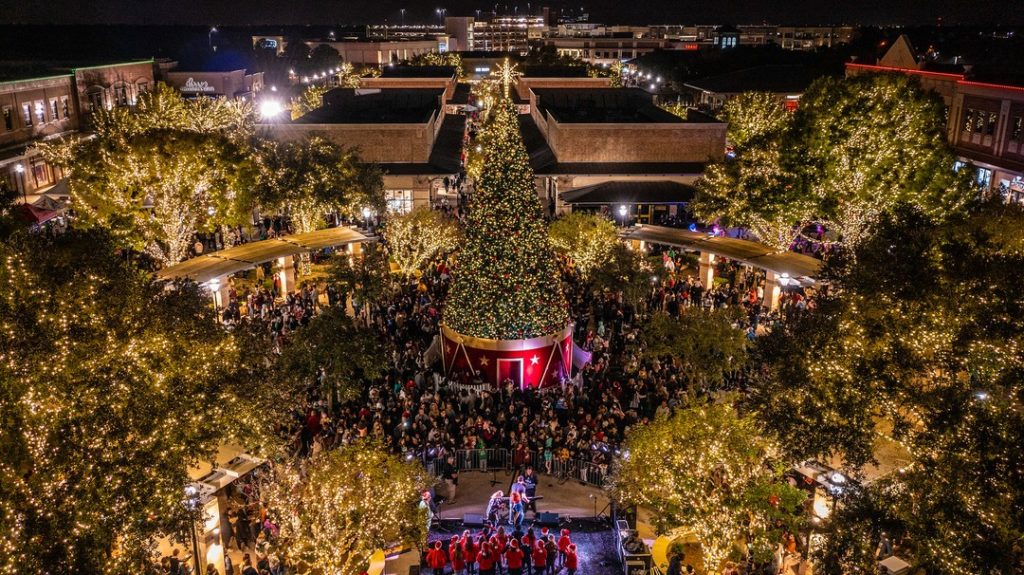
(514, 558)
(486, 559)
(571, 559)
(470, 548)
(563, 545)
(456, 556)
(540, 557)
(437, 558)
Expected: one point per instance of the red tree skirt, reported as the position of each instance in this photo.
(536, 362)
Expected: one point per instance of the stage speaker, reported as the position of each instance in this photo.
(548, 519)
(473, 520)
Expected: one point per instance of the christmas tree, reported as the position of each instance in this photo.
(506, 281)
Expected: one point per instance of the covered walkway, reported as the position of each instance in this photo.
(242, 257)
(781, 268)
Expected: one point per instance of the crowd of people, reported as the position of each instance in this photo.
(452, 426)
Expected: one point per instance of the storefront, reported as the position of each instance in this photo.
(231, 84)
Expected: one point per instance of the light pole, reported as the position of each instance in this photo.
(192, 501)
(21, 180)
(402, 12)
(209, 37)
(623, 212)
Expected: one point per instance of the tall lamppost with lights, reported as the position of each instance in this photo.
(21, 181)
(209, 37)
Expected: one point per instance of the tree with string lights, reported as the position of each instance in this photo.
(344, 505)
(870, 143)
(760, 189)
(160, 172)
(587, 240)
(707, 471)
(918, 346)
(506, 283)
(114, 386)
(413, 239)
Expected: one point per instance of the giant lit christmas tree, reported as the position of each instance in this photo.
(506, 303)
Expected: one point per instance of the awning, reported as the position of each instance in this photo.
(796, 266)
(34, 215)
(47, 202)
(247, 256)
(630, 192)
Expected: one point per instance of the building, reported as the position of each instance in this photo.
(600, 51)
(238, 84)
(813, 37)
(500, 33)
(111, 85)
(378, 52)
(34, 107)
(50, 103)
(985, 117)
(788, 82)
(415, 77)
(405, 130)
(611, 149)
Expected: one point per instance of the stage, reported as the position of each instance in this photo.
(573, 503)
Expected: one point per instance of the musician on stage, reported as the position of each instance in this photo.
(516, 511)
(494, 507)
(520, 488)
(530, 481)
(427, 503)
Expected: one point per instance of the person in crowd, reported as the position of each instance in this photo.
(514, 558)
(563, 545)
(571, 559)
(436, 558)
(456, 555)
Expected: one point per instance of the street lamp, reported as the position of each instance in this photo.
(21, 177)
(209, 37)
(270, 109)
(623, 212)
(192, 502)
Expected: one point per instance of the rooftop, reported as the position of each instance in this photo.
(602, 106)
(775, 78)
(376, 106)
(630, 192)
(554, 71)
(544, 162)
(418, 72)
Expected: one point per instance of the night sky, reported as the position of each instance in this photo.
(230, 12)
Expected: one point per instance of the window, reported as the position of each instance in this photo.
(95, 99)
(1016, 126)
(40, 112)
(8, 118)
(958, 165)
(54, 110)
(121, 95)
(968, 120)
(399, 201)
(41, 174)
(26, 114)
(990, 128)
(983, 178)
(979, 121)
(66, 106)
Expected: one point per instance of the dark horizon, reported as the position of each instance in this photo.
(342, 12)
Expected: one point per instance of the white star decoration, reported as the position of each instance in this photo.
(484, 361)
(534, 360)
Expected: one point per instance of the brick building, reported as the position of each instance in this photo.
(985, 119)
